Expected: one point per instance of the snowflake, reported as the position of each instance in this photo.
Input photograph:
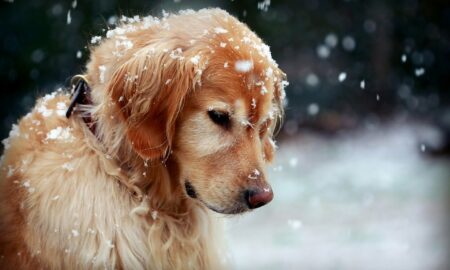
(220, 30)
(243, 66)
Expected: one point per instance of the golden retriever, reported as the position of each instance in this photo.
(177, 120)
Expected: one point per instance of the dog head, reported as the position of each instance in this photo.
(204, 92)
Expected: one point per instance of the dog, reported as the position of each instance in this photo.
(172, 121)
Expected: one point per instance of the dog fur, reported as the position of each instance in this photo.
(116, 199)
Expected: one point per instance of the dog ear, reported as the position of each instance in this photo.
(279, 101)
(149, 90)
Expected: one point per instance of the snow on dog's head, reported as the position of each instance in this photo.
(200, 90)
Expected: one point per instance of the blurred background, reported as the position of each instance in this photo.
(362, 176)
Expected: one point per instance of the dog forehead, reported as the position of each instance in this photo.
(240, 97)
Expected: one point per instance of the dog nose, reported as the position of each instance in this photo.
(258, 197)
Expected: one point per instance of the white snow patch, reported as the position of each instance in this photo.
(253, 103)
(124, 45)
(362, 84)
(79, 54)
(10, 171)
(269, 72)
(27, 185)
(243, 66)
(246, 40)
(154, 214)
(195, 60)
(15, 131)
(75, 233)
(68, 166)
(96, 39)
(44, 111)
(102, 70)
(223, 44)
(61, 108)
(225, 65)
(264, 90)
(110, 243)
(254, 175)
(220, 30)
(59, 133)
(177, 54)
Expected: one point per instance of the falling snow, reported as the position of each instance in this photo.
(312, 80)
(293, 162)
(264, 5)
(323, 51)
(294, 224)
(362, 84)
(423, 147)
(404, 58)
(419, 72)
(348, 43)
(342, 76)
(313, 109)
(331, 40)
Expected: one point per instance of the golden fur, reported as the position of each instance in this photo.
(70, 199)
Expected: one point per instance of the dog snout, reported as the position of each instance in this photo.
(258, 196)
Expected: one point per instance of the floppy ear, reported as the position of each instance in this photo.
(149, 90)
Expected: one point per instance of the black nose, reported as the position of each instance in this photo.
(258, 197)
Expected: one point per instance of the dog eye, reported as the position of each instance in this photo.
(220, 118)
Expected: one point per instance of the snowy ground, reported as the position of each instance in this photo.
(366, 200)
